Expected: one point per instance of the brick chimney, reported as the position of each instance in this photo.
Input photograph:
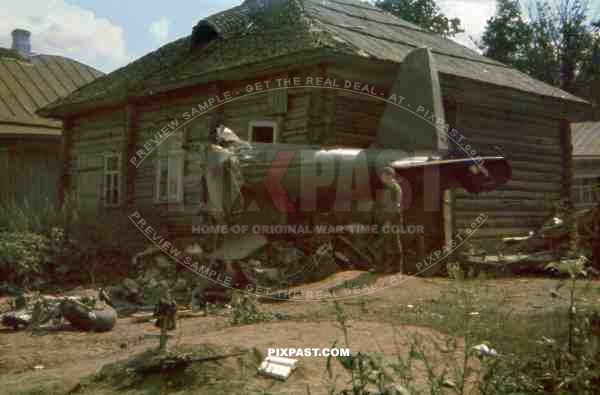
(21, 42)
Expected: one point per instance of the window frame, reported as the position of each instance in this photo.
(585, 190)
(263, 124)
(112, 173)
(165, 155)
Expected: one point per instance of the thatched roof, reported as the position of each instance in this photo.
(30, 83)
(263, 31)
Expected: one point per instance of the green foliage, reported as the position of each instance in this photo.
(97, 241)
(245, 312)
(48, 242)
(25, 256)
(424, 13)
(507, 35)
(370, 371)
(556, 43)
(31, 239)
(365, 369)
(569, 366)
(37, 219)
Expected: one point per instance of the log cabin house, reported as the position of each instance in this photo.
(30, 145)
(110, 120)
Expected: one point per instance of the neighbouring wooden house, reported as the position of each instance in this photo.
(586, 157)
(30, 145)
(108, 122)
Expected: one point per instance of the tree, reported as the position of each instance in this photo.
(557, 44)
(543, 61)
(507, 36)
(424, 13)
(574, 40)
(590, 70)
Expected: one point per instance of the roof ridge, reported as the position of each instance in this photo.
(8, 53)
(473, 59)
(408, 25)
(359, 31)
(70, 60)
(369, 7)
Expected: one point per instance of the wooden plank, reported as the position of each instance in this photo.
(493, 205)
(497, 233)
(133, 118)
(508, 213)
(65, 181)
(491, 221)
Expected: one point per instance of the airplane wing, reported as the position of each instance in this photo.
(481, 174)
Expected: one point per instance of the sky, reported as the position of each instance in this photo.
(108, 34)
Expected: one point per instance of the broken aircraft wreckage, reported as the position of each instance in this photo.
(341, 182)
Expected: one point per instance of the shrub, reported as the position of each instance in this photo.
(25, 256)
(64, 244)
(37, 219)
(245, 311)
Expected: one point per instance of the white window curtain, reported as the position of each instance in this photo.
(112, 180)
(169, 169)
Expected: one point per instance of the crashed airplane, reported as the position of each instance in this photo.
(303, 181)
(303, 178)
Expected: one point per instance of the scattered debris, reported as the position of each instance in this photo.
(16, 319)
(81, 312)
(449, 383)
(484, 351)
(86, 318)
(277, 367)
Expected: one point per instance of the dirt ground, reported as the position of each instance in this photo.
(54, 362)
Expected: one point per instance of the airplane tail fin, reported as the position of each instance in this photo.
(407, 121)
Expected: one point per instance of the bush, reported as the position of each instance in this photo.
(25, 256)
(62, 244)
(37, 219)
(99, 247)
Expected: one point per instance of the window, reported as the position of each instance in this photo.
(112, 180)
(262, 131)
(585, 190)
(169, 169)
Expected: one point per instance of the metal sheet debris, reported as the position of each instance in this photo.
(277, 367)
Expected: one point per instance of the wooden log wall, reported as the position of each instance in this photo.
(526, 127)
(92, 137)
(30, 170)
(174, 219)
(525, 202)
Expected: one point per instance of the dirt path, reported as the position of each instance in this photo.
(67, 357)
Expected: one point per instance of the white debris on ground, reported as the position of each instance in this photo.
(484, 351)
(277, 367)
